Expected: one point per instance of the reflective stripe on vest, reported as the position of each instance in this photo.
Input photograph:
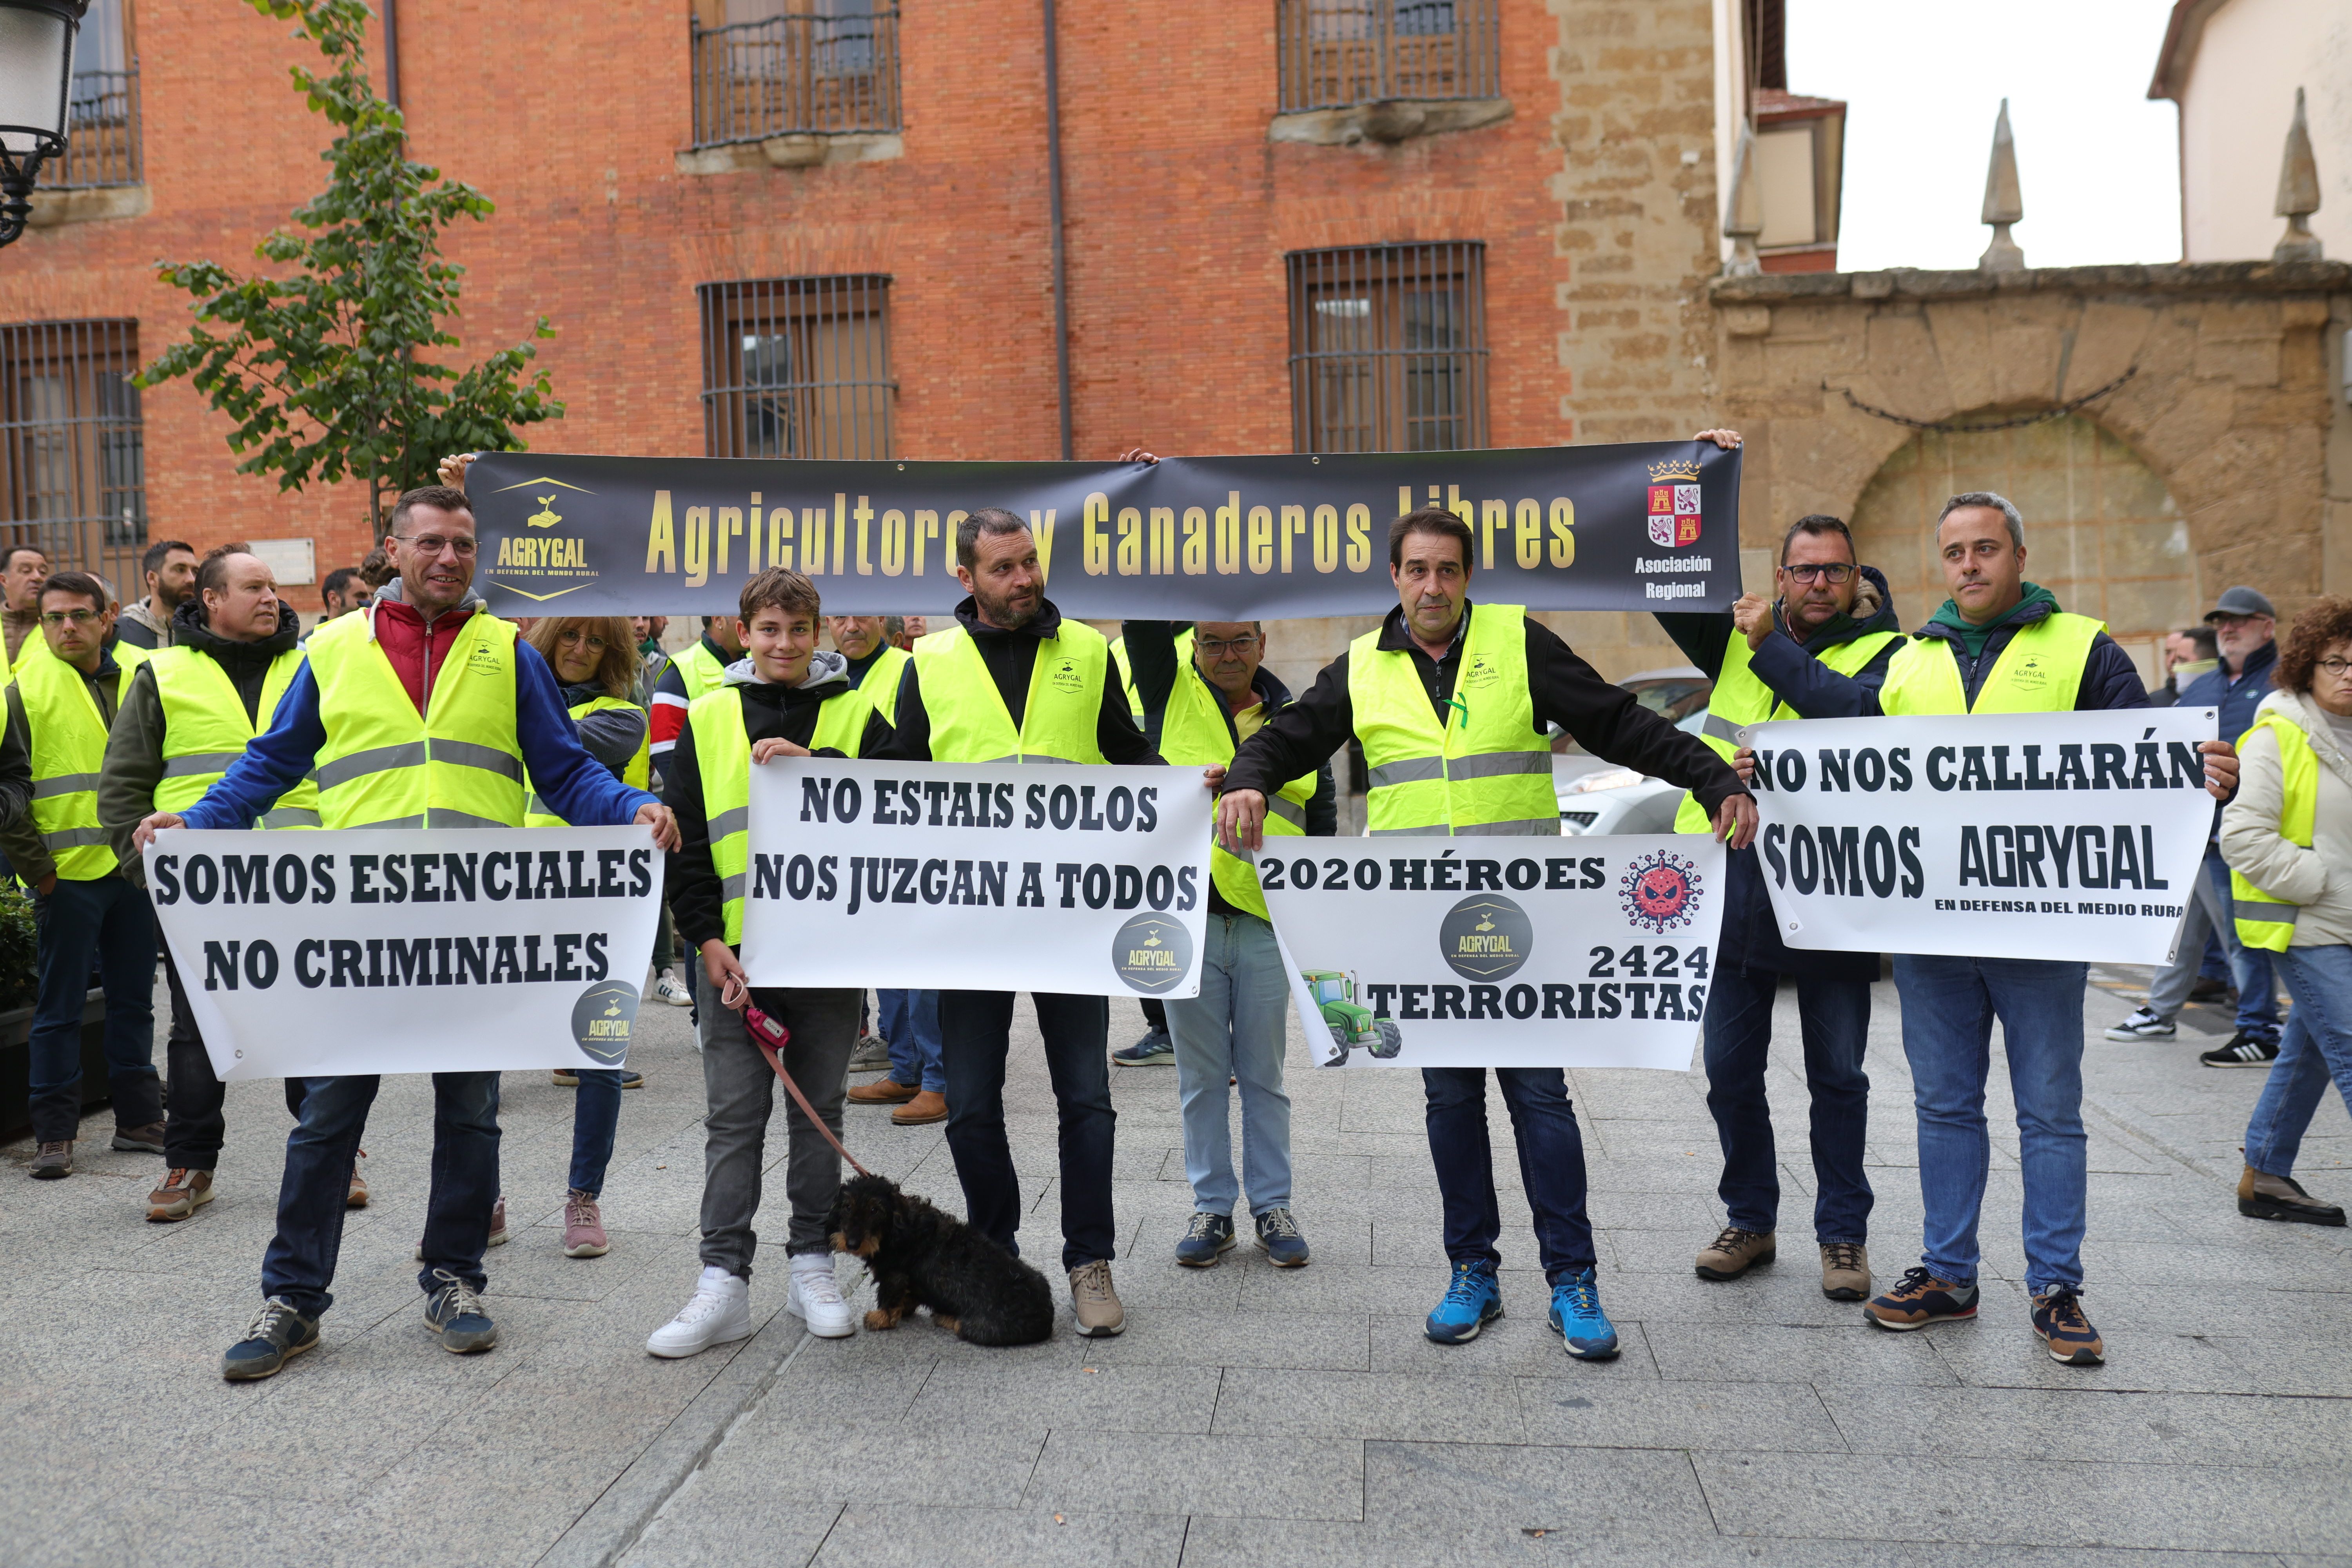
(637, 774)
(722, 755)
(68, 737)
(1740, 698)
(384, 765)
(2041, 671)
(1196, 731)
(1483, 773)
(2263, 920)
(205, 730)
(968, 720)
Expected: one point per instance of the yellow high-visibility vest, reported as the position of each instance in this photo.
(968, 720)
(1195, 731)
(205, 730)
(1482, 771)
(1740, 698)
(699, 669)
(637, 774)
(1127, 678)
(459, 765)
(722, 755)
(68, 747)
(879, 691)
(2041, 671)
(2263, 920)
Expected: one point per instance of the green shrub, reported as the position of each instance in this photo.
(18, 948)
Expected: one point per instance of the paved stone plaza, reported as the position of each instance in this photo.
(1246, 1415)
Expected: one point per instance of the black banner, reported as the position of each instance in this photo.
(1642, 526)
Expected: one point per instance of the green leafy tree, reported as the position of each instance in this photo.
(326, 364)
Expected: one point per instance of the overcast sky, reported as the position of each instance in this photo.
(2097, 159)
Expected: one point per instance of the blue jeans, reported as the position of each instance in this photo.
(1236, 1028)
(2318, 1046)
(911, 1022)
(107, 919)
(595, 1118)
(1835, 1015)
(1948, 1008)
(1551, 1164)
(2211, 912)
(300, 1262)
(975, 1030)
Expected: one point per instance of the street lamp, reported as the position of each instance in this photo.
(36, 43)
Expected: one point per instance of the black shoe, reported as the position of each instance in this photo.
(2282, 1197)
(2245, 1050)
(278, 1334)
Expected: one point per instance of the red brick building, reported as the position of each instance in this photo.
(1289, 224)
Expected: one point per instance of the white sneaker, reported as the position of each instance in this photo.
(2143, 1024)
(719, 1314)
(815, 1297)
(669, 988)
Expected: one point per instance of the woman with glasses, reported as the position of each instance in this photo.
(2287, 838)
(595, 662)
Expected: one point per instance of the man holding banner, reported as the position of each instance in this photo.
(1841, 614)
(423, 712)
(1012, 680)
(1999, 645)
(1453, 703)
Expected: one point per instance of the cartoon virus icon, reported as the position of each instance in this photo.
(1660, 891)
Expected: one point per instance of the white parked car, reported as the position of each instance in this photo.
(1596, 797)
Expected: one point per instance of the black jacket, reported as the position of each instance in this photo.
(1751, 937)
(1567, 692)
(1011, 657)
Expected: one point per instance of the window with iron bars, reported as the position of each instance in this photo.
(797, 367)
(101, 106)
(71, 454)
(1336, 53)
(778, 68)
(1388, 348)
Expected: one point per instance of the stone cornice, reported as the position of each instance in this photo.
(2187, 278)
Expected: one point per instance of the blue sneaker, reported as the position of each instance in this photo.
(1278, 1234)
(1472, 1301)
(1208, 1239)
(1577, 1317)
(1154, 1051)
(456, 1313)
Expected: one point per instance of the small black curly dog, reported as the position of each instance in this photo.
(923, 1258)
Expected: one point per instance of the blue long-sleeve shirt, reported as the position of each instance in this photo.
(575, 785)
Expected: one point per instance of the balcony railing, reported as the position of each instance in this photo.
(102, 133)
(805, 74)
(1337, 53)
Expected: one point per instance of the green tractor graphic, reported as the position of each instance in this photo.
(1351, 1024)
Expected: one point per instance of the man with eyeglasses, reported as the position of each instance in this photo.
(1205, 691)
(2244, 627)
(1826, 610)
(59, 710)
(425, 711)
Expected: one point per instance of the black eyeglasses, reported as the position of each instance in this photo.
(1834, 572)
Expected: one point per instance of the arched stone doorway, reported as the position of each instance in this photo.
(2101, 530)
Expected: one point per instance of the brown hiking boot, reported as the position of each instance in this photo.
(1094, 1302)
(179, 1194)
(52, 1161)
(883, 1091)
(1734, 1252)
(357, 1197)
(923, 1109)
(147, 1140)
(1845, 1270)
(2282, 1197)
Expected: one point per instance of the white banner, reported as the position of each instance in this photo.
(2059, 835)
(976, 877)
(375, 951)
(1520, 952)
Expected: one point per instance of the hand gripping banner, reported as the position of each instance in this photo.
(1645, 526)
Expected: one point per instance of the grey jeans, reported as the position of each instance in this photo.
(741, 1090)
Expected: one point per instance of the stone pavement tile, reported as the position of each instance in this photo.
(874, 1394)
(200, 1526)
(1696, 1173)
(1341, 1288)
(964, 1395)
(1461, 1408)
(887, 1537)
(1276, 1477)
(1649, 1415)
(1152, 1279)
(1788, 1293)
(694, 1532)
(1693, 1216)
(1621, 1494)
(1520, 1345)
(773, 1453)
(2034, 1424)
(1999, 1350)
(1720, 1353)
(1245, 1340)
(1877, 1497)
